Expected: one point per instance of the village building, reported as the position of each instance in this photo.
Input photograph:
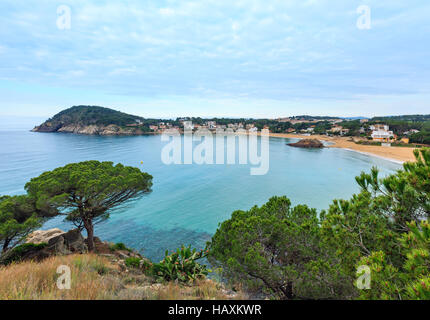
(211, 124)
(381, 133)
(412, 131)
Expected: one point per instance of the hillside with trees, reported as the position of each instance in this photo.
(96, 120)
(92, 115)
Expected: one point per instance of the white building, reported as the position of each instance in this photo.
(382, 135)
(379, 127)
(412, 131)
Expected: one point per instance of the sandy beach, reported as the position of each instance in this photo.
(398, 154)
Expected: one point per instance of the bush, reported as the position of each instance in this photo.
(411, 280)
(132, 262)
(180, 265)
(16, 254)
(119, 246)
(277, 251)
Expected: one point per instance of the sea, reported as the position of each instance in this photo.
(188, 201)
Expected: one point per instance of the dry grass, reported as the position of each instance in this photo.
(38, 281)
(201, 290)
(97, 278)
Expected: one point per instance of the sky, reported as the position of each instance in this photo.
(223, 58)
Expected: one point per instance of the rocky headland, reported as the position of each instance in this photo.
(94, 120)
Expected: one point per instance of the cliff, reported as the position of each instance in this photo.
(102, 130)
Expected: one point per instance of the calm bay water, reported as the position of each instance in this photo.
(187, 201)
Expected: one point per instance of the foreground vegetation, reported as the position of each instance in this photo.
(289, 252)
(98, 278)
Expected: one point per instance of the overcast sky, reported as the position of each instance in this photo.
(246, 58)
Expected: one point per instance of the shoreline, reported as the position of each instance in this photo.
(395, 154)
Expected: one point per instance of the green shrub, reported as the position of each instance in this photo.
(180, 265)
(132, 262)
(16, 254)
(119, 246)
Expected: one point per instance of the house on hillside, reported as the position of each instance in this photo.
(412, 131)
(379, 127)
(381, 132)
(339, 130)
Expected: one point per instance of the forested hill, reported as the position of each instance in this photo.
(92, 115)
(413, 118)
(95, 121)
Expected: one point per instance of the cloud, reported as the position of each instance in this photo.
(167, 12)
(264, 50)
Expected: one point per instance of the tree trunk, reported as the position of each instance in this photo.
(287, 290)
(88, 224)
(5, 245)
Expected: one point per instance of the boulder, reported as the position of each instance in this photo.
(69, 242)
(57, 246)
(307, 143)
(75, 241)
(43, 236)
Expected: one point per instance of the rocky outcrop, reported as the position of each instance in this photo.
(307, 143)
(89, 130)
(66, 243)
(43, 236)
(42, 244)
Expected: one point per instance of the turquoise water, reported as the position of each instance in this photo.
(187, 201)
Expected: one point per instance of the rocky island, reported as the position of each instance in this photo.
(307, 143)
(94, 120)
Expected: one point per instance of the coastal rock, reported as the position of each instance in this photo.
(43, 236)
(307, 143)
(59, 242)
(46, 244)
(47, 127)
(67, 243)
(108, 130)
(75, 241)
